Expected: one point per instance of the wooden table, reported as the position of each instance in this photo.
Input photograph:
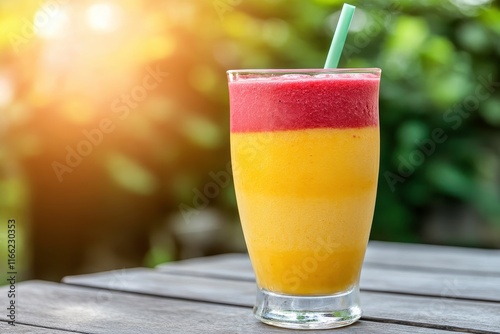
(405, 289)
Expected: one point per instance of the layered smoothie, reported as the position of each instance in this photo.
(305, 155)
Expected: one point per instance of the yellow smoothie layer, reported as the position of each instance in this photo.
(306, 201)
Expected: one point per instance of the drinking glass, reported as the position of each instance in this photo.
(305, 159)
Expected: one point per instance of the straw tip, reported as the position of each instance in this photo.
(340, 36)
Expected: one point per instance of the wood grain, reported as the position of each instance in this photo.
(26, 329)
(404, 309)
(426, 283)
(373, 278)
(85, 310)
(233, 265)
(455, 260)
(151, 282)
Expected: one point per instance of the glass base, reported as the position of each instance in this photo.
(308, 312)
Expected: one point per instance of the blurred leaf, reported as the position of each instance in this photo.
(447, 89)
(450, 180)
(472, 36)
(156, 256)
(130, 175)
(12, 191)
(203, 78)
(411, 133)
(439, 50)
(202, 132)
(408, 36)
(491, 18)
(491, 111)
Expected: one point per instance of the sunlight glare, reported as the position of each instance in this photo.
(50, 23)
(472, 3)
(6, 91)
(103, 17)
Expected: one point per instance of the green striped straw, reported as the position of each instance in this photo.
(340, 35)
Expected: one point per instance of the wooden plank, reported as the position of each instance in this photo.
(438, 284)
(148, 281)
(458, 315)
(434, 258)
(456, 260)
(96, 311)
(442, 313)
(26, 329)
(233, 265)
(373, 278)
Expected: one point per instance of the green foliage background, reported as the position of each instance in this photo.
(440, 63)
(434, 56)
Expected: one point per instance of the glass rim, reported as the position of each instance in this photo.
(369, 70)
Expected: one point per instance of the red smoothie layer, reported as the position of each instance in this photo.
(303, 102)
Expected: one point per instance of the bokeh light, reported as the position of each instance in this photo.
(104, 17)
(6, 90)
(51, 22)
